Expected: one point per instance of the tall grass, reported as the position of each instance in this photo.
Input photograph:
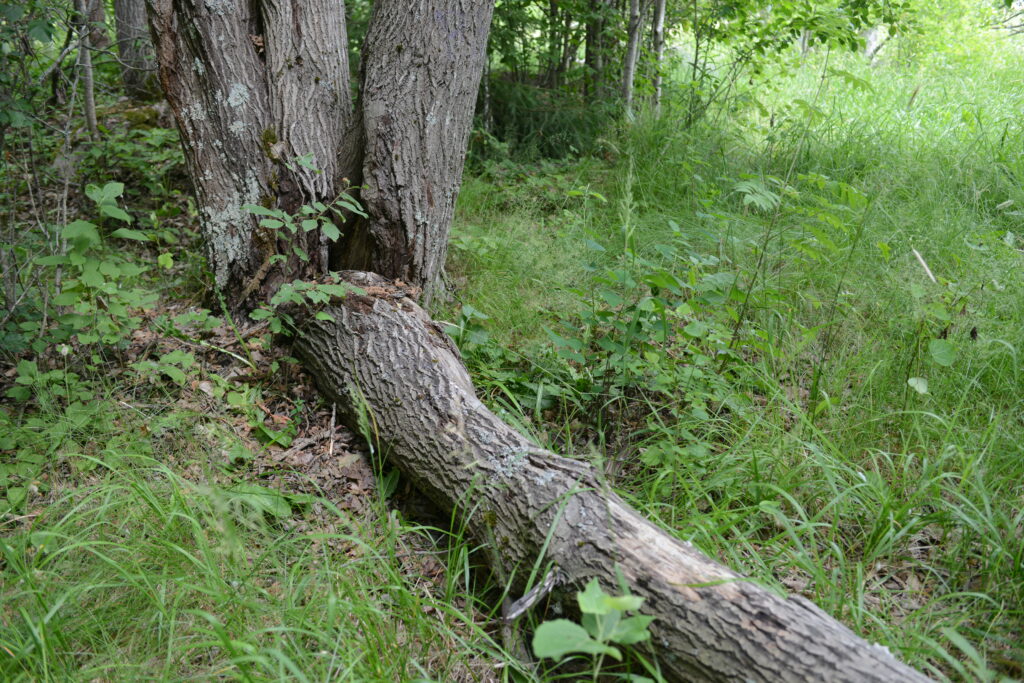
(897, 511)
(146, 575)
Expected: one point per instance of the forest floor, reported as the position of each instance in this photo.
(789, 334)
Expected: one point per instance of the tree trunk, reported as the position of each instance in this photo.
(264, 119)
(422, 63)
(596, 43)
(84, 11)
(632, 54)
(659, 52)
(389, 367)
(99, 38)
(135, 50)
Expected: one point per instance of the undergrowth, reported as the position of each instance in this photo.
(791, 335)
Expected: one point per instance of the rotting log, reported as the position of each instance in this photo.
(386, 363)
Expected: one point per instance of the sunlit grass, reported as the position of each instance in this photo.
(896, 511)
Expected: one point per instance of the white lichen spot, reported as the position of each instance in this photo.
(238, 127)
(195, 112)
(238, 95)
(198, 66)
(218, 7)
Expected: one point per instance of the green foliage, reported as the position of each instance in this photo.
(286, 227)
(604, 622)
(315, 216)
(859, 440)
(100, 294)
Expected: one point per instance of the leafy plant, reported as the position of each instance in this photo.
(604, 625)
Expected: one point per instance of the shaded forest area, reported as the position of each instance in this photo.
(754, 267)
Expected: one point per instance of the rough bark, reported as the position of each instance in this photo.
(386, 364)
(422, 62)
(260, 92)
(99, 38)
(135, 50)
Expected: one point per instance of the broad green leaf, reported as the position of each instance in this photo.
(16, 496)
(593, 600)
(632, 630)
(330, 231)
(696, 329)
(918, 384)
(308, 224)
(82, 233)
(942, 352)
(125, 233)
(555, 639)
(260, 210)
(113, 190)
(174, 374)
(271, 223)
(611, 297)
(117, 212)
(324, 316)
(165, 261)
(54, 260)
(624, 603)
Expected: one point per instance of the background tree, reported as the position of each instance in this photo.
(135, 50)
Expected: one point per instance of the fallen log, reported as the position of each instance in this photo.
(387, 365)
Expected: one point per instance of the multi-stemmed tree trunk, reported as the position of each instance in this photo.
(262, 95)
(135, 50)
(262, 98)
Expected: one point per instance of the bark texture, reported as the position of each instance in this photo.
(658, 36)
(85, 10)
(386, 364)
(261, 96)
(135, 50)
(261, 93)
(422, 62)
(632, 54)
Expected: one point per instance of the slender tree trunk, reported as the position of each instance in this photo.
(596, 45)
(632, 54)
(84, 10)
(659, 52)
(135, 50)
(390, 366)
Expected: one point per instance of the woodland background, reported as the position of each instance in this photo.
(759, 262)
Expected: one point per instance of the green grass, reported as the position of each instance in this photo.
(825, 472)
(144, 574)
